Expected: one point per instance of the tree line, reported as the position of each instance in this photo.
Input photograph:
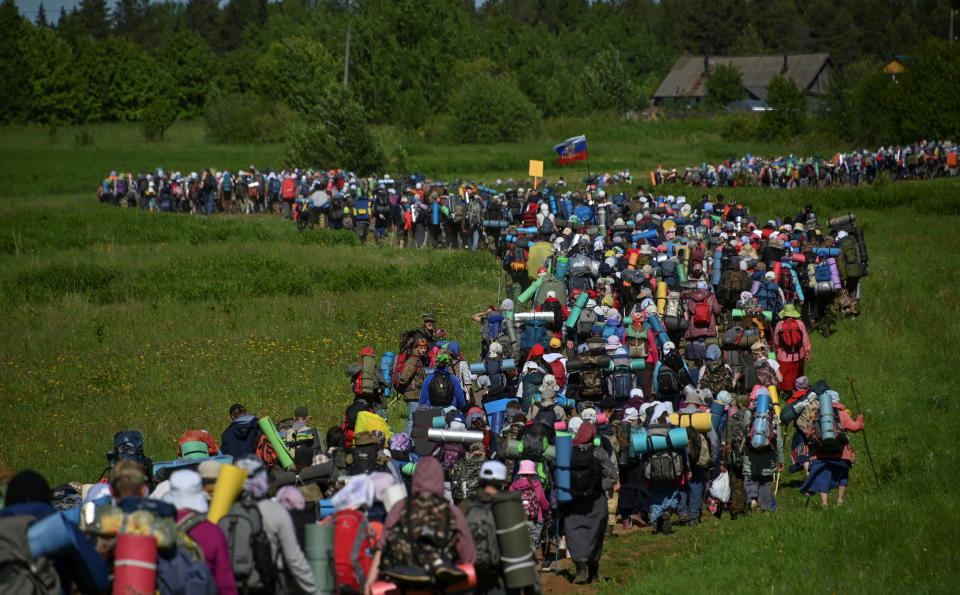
(426, 65)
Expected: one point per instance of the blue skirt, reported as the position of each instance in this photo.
(825, 475)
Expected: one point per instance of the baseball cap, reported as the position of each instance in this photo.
(555, 343)
(301, 412)
(493, 470)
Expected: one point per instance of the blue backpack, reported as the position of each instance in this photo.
(227, 183)
(180, 573)
(492, 327)
(274, 186)
(534, 333)
(769, 296)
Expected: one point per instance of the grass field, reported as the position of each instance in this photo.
(123, 319)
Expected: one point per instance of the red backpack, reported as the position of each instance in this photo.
(530, 215)
(789, 337)
(354, 539)
(701, 315)
(288, 189)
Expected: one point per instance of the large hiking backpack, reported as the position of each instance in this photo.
(764, 372)
(551, 283)
(766, 441)
(668, 381)
(182, 570)
(732, 285)
(226, 183)
(668, 270)
(662, 466)
(531, 385)
(483, 527)
(789, 337)
(441, 389)
(586, 322)
(491, 328)
(530, 215)
(288, 189)
(466, 478)
(674, 307)
(621, 382)
(450, 454)
(698, 448)
(475, 213)
(19, 572)
(832, 446)
(547, 228)
(274, 186)
(768, 296)
(425, 536)
(701, 314)
(493, 368)
(250, 554)
(363, 457)
(716, 378)
(355, 540)
(531, 504)
(585, 474)
(786, 284)
(557, 310)
(737, 433)
(591, 376)
(534, 332)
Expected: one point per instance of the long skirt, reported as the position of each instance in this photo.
(826, 475)
(790, 372)
(584, 524)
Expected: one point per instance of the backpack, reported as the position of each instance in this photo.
(534, 332)
(765, 373)
(586, 322)
(585, 472)
(547, 416)
(551, 283)
(701, 314)
(425, 537)
(547, 228)
(716, 378)
(557, 309)
(441, 390)
(274, 186)
(828, 447)
(531, 385)
(531, 504)
(674, 307)
(227, 183)
(182, 571)
(288, 189)
(475, 213)
(530, 215)
(737, 437)
(668, 270)
(698, 448)
(732, 285)
(768, 296)
(786, 284)
(364, 456)
(591, 376)
(789, 337)
(266, 453)
(250, 554)
(621, 382)
(305, 436)
(484, 530)
(498, 380)
(19, 572)
(534, 443)
(450, 454)
(355, 540)
(765, 441)
(466, 478)
(668, 381)
(662, 466)
(491, 328)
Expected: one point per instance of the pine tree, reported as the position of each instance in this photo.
(41, 16)
(94, 17)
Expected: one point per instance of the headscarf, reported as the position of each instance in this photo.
(801, 383)
(291, 498)
(585, 434)
(358, 493)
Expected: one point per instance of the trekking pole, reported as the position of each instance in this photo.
(866, 444)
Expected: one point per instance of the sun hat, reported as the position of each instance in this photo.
(186, 491)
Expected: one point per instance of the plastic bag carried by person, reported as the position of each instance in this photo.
(720, 487)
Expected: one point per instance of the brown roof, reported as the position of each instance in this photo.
(686, 78)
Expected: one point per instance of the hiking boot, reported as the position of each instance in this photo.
(666, 528)
(593, 572)
(409, 574)
(581, 576)
(753, 505)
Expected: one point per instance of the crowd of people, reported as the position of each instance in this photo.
(638, 375)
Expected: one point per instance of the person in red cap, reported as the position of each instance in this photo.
(560, 312)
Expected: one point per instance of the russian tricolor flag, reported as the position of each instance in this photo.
(572, 149)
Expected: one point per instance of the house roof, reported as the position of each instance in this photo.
(686, 77)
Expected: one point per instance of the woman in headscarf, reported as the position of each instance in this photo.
(593, 476)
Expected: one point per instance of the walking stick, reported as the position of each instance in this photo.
(776, 483)
(866, 444)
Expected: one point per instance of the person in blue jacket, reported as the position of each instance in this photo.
(447, 389)
(241, 436)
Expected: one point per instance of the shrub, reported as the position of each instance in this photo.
(334, 133)
(741, 126)
(788, 109)
(245, 118)
(491, 109)
(157, 117)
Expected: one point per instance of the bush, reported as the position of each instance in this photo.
(741, 126)
(334, 133)
(788, 105)
(246, 118)
(157, 117)
(491, 109)
(724, 86)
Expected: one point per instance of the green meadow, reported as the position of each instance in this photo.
(117, 319)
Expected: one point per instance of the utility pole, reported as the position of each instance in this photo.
(346, 57)
(952, 12)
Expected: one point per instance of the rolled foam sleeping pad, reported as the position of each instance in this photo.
(700, 421)
(777, 267)
(516, 556)
(716, 271)
(661, 297)
(135, 564)
(527, 230)
(495, 413)
(386, 370)
(368, 365)
(439, 422)
(325, 508)
(681, 273)
(620, 228)
(529, 291)
(505, 366)
(754, 287)
(834, 273)
(457, 436)
(54, 536)
(796, 285)
(553, 204)
(826, 252)
(639, 443)
(647, 234)
(789, 413)
(826, 418)
(565, 402)
(319, 544)
(435, 213)
(564, 442)
(226, 490)
(495, 224)
(422, 422)
(577, 308)
(524, 316)
(563, 265)
(574, 365)
(738, 312)
(515, 450)
(187, 462)
(717, 414)
(270, 431)
(842, 220)
(760, 427)
(511, 329)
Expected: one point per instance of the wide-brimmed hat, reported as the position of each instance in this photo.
(186, 491)
(790, 311)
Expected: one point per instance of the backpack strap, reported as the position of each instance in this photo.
(362, 534)
(189, 521)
